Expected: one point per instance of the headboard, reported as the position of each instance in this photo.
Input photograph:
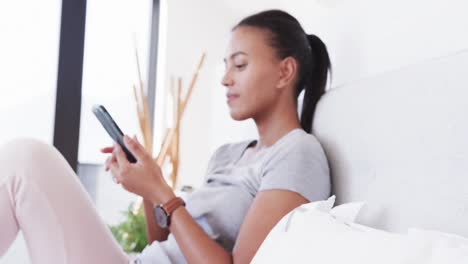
(399, 142)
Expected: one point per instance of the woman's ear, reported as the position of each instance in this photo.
(287, 72)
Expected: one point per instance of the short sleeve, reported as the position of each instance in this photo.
(300, 167)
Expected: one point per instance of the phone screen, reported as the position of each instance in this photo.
(112, 129)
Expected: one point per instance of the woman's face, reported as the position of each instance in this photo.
(252, 73)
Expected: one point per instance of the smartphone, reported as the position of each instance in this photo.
(112, 129)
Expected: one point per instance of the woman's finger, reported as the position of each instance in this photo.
(107, 149)
(113, 158)
(120, 156)
(135, 148)
(106, 164)
(115, 172)
(110, 159)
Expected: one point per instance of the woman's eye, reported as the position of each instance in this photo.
(241, 66)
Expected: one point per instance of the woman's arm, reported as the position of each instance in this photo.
(266, 210)
(195, 244)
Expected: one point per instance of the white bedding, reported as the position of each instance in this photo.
(310, 234)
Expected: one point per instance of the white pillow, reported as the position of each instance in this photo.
(450, 240)
(314, 236)
(321, 206)
(446, 248)
(347, 212)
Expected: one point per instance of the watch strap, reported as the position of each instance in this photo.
(170, 206)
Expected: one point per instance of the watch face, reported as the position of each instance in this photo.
(161, 217)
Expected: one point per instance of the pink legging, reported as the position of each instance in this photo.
(41, 195)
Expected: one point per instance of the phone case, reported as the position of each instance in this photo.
(112, 129)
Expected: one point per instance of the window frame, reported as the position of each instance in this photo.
(70, 76)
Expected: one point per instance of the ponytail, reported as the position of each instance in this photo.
(315, 80)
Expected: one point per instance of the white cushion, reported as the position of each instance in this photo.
(289, 229)
(446, 248)
(308, 235)
(347, 212)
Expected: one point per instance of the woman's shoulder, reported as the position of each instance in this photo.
(298, 147)
(298, 164)
(298, 141)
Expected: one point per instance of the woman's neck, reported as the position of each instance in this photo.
(275, 124)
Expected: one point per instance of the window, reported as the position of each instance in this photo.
(110, 69)
(28, 68)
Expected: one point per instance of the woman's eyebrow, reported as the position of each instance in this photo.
(234, 55)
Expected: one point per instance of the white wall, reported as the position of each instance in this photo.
(365, 38)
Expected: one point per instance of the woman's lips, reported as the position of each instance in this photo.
(231, 97)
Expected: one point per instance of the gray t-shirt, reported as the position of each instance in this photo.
(296, 162)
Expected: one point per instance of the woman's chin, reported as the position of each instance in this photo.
(237, 115)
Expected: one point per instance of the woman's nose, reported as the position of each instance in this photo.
(227, 81)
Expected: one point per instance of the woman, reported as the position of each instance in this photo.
(249, 185)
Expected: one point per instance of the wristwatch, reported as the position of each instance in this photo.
(163, 212)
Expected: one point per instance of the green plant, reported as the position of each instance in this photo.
(131, 232)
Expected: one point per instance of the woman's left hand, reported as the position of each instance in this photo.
(144, 177)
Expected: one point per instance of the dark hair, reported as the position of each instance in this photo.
(289, 39)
